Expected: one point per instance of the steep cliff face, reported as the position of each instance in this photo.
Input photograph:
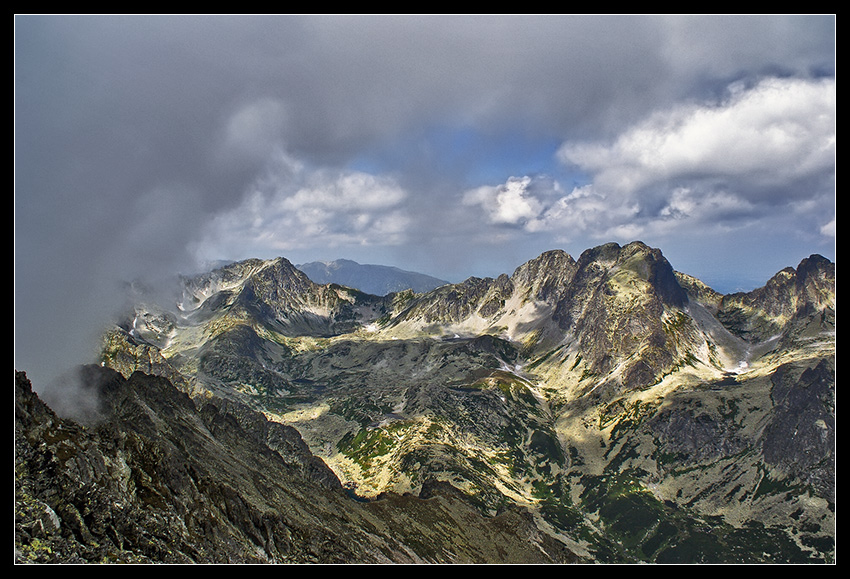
(158, 479)
(546, 277)
(800, 434)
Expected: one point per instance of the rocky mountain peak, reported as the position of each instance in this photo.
(634, 263)
(546, 275)
(789, 298)
(276, 294)
(605, 254)
(279, 282)
(816, 279)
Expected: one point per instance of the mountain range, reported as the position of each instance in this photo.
(373, 279)
(601, 409)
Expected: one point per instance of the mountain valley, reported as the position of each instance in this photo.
(603, 409)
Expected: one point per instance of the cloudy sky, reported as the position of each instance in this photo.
(454, 146)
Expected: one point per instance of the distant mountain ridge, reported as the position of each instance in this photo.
(378, 280)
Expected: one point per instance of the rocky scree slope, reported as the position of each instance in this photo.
(156, 477)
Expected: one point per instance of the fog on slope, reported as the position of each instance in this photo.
(63, 307)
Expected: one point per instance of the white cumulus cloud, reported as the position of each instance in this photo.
(766, 153)
(299, 208)
(778, 131)
(510, 203)
(587, 212)
(828, 229)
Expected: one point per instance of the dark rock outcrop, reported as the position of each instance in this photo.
(800, 437)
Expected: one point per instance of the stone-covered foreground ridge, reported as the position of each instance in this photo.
(158, 478)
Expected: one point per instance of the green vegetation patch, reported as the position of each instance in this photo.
(636, 526)
(768, 486)
(370, 443)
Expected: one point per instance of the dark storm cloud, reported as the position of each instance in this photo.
(143, 141)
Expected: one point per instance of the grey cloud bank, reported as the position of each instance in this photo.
(144, 144)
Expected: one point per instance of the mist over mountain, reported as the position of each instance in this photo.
(606, 408)
(373, 279)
